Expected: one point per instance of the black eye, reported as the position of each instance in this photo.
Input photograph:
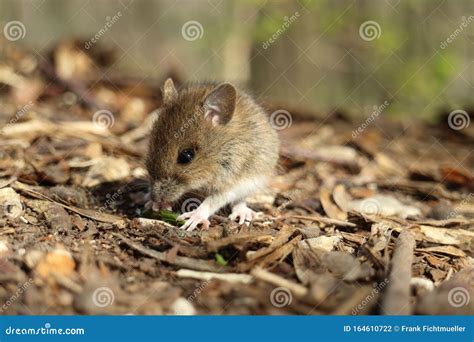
(185, 156)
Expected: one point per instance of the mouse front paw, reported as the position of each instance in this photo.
(243, 213)
(193, 219)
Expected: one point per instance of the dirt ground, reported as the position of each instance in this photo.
(355, 208)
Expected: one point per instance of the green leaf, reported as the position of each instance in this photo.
(220, 260)
(164, 215)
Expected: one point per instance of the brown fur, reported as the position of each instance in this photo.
(244, 147)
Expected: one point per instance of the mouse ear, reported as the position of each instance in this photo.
(169, 91)
(220, 104)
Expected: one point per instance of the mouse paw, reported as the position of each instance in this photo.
(243, 213)
(193, 219)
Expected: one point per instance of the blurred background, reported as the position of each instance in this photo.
(410, 58)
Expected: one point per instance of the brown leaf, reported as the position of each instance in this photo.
(329, 207)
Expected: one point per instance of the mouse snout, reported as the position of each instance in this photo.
(157, 192)
(154, 196)
(164, 192)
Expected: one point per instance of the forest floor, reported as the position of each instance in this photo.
(354, 209)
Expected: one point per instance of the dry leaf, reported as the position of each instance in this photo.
(383, 205)
(107, 169)
(329, 207)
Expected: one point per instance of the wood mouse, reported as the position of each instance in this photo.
(212, 139)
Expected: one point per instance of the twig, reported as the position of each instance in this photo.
(325, 220)
(276, 255)
(296, 289)
(230, 277)
(195, 264)
(280, 239)
(240, 239)
(92, 214)
(353, 303)
(397, 297)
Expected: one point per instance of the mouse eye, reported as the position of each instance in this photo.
(185, 156)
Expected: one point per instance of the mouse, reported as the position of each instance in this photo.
(213, 139)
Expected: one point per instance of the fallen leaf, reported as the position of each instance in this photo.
(329, 207)
(107, 169)
(384, 205)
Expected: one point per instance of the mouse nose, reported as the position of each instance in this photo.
(154, 195)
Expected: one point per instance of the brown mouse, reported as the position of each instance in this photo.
(212, 139)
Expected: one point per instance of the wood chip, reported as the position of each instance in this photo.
(449, 250)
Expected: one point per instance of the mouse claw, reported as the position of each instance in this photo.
(185, 216)
(243, 213)
(193, 219)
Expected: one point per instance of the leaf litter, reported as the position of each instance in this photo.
(348, 226)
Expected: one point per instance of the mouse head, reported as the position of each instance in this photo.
(185, 151)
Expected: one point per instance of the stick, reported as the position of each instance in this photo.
(296, 289)
(397, 297)
(325, 220)
(230, 277)
(196, 264)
